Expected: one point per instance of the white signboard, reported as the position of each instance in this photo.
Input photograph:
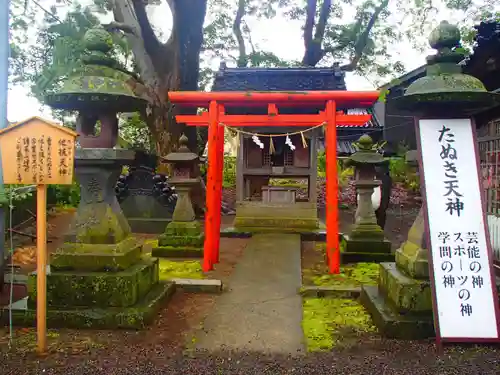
(464, 292)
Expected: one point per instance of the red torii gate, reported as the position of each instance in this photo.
(216, 120)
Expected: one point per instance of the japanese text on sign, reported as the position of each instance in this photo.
(37, 158)
(461, 261)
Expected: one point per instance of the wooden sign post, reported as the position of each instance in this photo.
(464, 292)
(38, 152)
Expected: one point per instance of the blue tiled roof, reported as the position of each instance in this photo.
(278, 79)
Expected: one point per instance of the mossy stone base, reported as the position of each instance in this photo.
(407, 295)
(134, 317)
(181, 241)
(183, 228)
(97, 257)
(413, 260)
(367, 245)
(391, 324)
(98, 289)
(177, 252)
(352, 257)
(367, 232)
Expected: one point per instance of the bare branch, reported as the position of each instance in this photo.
(363, 38)
(240, 13)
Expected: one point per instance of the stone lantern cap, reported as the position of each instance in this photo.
(99, 83)
(367, 153)
(445, 90)
(183, 154)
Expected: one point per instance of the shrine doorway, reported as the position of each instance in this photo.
(215, 103)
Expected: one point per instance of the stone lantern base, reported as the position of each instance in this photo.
(401, 305)
(99, 277)
(180, 240)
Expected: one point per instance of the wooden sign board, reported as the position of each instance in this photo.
(36, 151)
(464, 292)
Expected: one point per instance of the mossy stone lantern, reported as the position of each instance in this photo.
(366, 240)
(99, 278)
(445, 93)
(98, 89)
(182, 237)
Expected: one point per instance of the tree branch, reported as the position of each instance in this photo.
(363, 38)
(115, 26)
(240, 13)
(151, 42)
(309, 26)
(314, 51)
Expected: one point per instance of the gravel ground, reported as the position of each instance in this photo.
(383, 357)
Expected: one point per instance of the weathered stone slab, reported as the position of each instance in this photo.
(199, 285)
(299, 215)
(330, 291)
(98, 289)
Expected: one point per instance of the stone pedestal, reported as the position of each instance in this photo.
(183, 237)
(401, 305)
(98, 277)
(367, 242)
(257, 217)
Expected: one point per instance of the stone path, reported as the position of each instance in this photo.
(262, 311)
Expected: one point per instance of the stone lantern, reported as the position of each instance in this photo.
(98, 277)
(182, 237)
(366, 241)
(401, 304)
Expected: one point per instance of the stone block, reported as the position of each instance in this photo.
(413, 260)
(407, 295)
(97, 257)
(352, 257)
(133, 317)
(181, 241)
(391, 324)
(296, 216)
(98, 289)
(355, 245)
(199, 285)
(183, 228)
(177, 252)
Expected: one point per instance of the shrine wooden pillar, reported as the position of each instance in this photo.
(332, 187)
(211, 198)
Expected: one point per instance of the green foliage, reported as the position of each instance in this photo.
(345, 173)
(229, 172)
(66, 195)
(14, 193)
(333, 322)
(405, 174)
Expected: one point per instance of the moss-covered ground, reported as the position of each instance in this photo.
(329, 323)
(180, 269)
(315, 271)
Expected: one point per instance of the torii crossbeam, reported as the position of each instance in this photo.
(216, 119)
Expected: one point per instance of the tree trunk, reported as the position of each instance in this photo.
(165, 67)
